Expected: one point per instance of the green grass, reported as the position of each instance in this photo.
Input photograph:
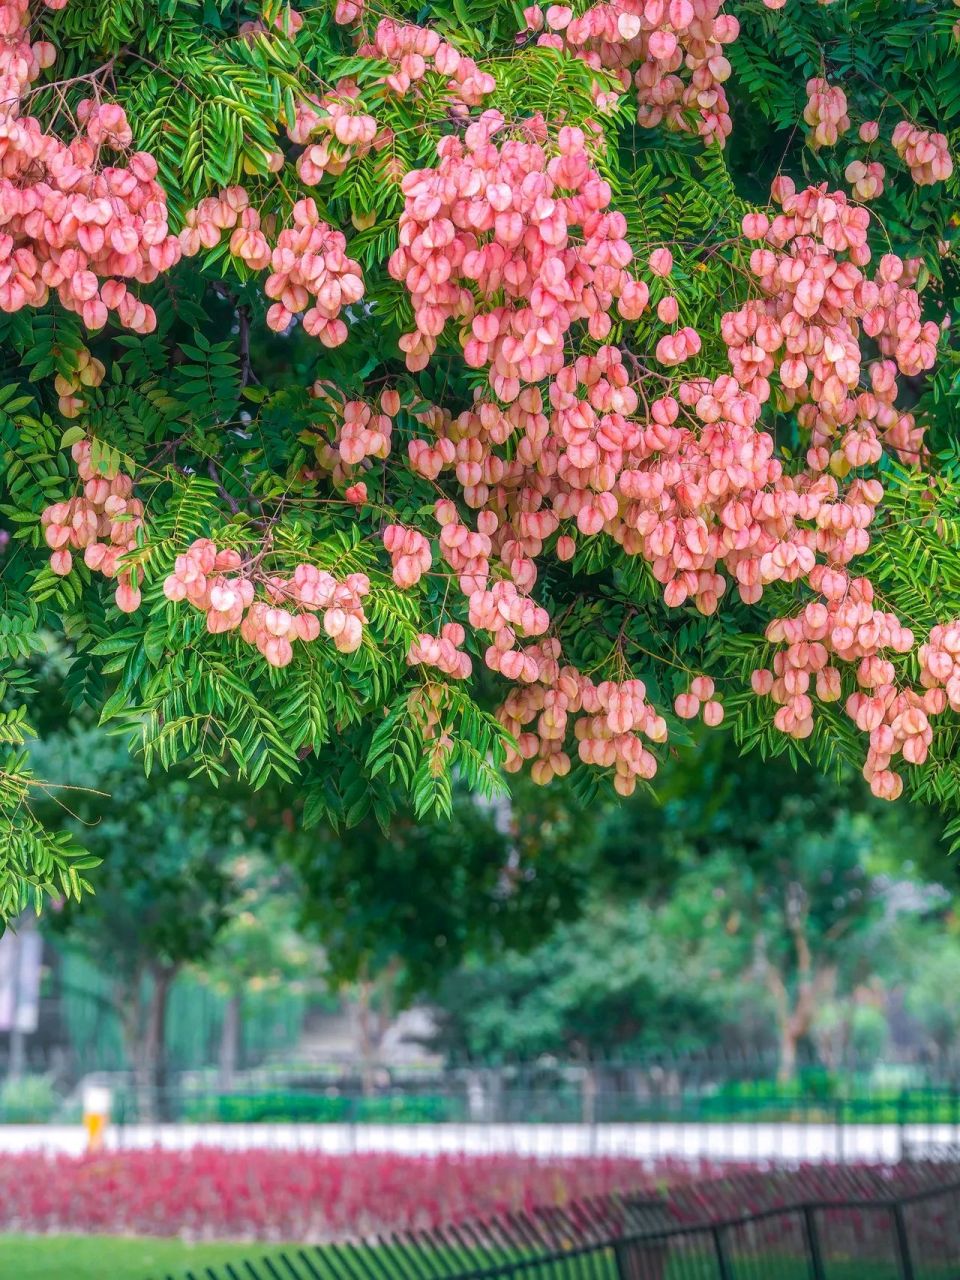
(128, 1258)
(114, 1257)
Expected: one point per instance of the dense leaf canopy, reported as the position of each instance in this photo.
(435, 575)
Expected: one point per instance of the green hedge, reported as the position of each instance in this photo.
(280, 1105)
(746, 1102)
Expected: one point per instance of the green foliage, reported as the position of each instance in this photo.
(164, 889)
(212, 416)
(688, 941)
(421, 896)
(626, 979)
(274, 1105)
(28, 1100)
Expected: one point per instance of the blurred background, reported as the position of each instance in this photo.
(260, 1033)
(757, 941)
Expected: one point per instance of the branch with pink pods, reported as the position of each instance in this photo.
(222, 584)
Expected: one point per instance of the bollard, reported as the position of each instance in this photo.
(96, 1114)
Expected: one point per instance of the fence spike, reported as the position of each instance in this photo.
(607, 1236)
(344, 1254)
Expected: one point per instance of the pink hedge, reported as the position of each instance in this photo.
(210, 1193)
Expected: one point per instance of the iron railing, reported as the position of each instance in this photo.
(709, 1108)
(911, 1236)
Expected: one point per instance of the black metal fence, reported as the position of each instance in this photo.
(911, 1235)
(711, 1107)
(642, 1099)
(711, 1124)
(695, 1088)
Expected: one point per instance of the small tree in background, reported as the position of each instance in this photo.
(258, 950)
(166, 890)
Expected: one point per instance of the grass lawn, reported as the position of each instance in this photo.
(127, 1258)
(114, 1257)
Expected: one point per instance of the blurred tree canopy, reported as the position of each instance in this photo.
(735, 907)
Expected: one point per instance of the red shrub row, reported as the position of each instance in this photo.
(211, 1193)
(208, 1193)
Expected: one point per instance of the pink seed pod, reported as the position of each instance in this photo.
(686, 706)
(712, 713)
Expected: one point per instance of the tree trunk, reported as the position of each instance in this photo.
(787, 1066)
(24, 978)
(149, 1055)
(18, 1041)
(230, 1040)
(127, 997)
(364, 1019)
(374, 1015)
(794, 1017)
(588, 1096)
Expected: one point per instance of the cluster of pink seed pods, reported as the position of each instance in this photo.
(693, 486)
(940, 662)
(811, 269)
(486, 239)
(467, 551)
(416, 51)
(443, 652)
(845, 626)
(88, 372)
(671, 51)
(825, 112)
(607, 721)
(700, 698)
(221, 584)
(68, 222)
(366, 434)
(334, 130)
(410, 554)
(925, 154)
(363, 433)
(865, 178)
(103, 523)
(311, 275)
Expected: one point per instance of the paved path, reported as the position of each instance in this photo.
(788, 1142)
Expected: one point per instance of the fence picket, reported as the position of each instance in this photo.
(812, 1236)
(903, 1243)
(624, 1238)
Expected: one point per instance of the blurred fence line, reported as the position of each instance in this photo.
(681, 1088)
(681, 1107)
(897, 1233)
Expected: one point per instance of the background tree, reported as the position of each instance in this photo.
(760, 895)
(167, 887)
(627, 979)
(258, 949)
(414, 900)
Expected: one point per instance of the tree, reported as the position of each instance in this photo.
(461, 482)
(257, 949)
(407, 905)
(815, 893)
(627, 978)
(165, 888)
(799, 856)
(744, 890)
(932, 997)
